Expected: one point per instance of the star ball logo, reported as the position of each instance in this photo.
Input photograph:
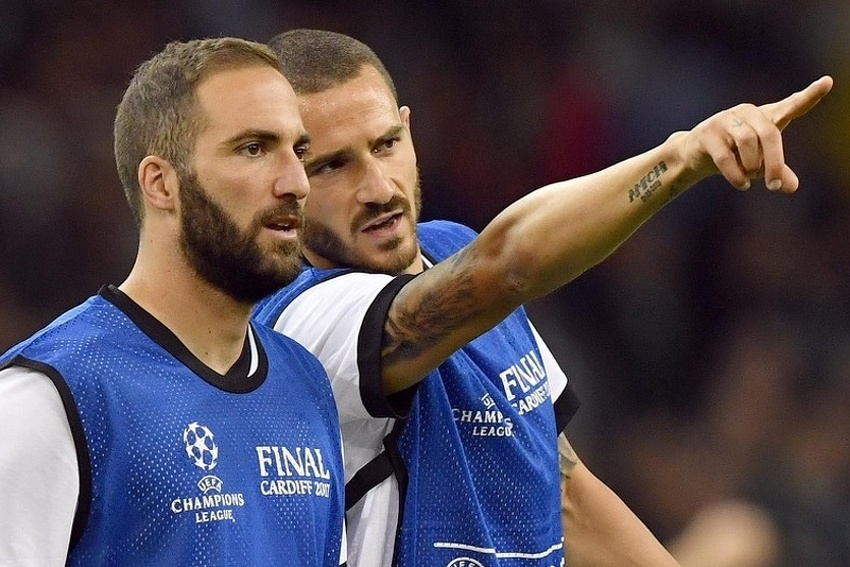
(213, 505)
(200, 446)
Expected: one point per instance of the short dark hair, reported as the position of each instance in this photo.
(159, 115)
(317, 60)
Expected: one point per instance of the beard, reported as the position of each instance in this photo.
(394, 256)
(227, 257)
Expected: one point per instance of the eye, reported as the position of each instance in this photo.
(325, 167)
(301, 151)
(387, 144)
(253, 149)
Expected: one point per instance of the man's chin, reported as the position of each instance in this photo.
(392, 262)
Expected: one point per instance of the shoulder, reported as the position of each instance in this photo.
(282, 347)
(74, 330)
(321, 294)
(441, 239)
(444, 228)
(269, 308)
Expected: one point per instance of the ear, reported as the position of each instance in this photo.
(404, 112)
(158, 181)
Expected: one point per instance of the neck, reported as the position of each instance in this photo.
(210, 323)
(418, 265)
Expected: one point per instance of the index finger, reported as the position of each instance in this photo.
(798, 104)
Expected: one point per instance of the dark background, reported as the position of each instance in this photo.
(712, 350)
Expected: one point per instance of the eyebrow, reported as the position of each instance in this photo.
(264, 136)
(304, 139)
(346, 152)
(391, 133)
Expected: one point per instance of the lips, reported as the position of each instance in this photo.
(283, 219)
(382, 221)
(291, 223)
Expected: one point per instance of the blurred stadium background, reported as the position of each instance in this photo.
(711, 351)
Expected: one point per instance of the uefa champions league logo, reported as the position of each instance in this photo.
(214, 505)
(464, 562)
(200, 446)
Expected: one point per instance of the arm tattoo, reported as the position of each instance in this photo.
(675, 189)
(567, 458)
(648, 184)
(425, 316)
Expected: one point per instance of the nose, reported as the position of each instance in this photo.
(375, 186)
(292, 179)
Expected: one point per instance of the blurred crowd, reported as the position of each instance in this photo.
(711, 351)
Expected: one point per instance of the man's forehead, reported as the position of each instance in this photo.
(366, 90)
(244, 79)
(249, 98)
(338, 119)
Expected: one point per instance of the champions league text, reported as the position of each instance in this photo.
(526, 388)
(209, 508)
(283, 471)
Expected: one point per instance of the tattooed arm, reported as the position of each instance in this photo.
(599, 529)
(555, 233)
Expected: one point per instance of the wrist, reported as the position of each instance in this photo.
(685, 165)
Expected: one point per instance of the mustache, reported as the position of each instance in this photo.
(288, 208)
(372, 211)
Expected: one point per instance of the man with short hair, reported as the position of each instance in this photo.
(450, 402)
(153, 424)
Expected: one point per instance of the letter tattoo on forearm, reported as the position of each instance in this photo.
(648, 184)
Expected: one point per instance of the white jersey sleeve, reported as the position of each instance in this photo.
(328, 319)
(555, 374)
(563, 396)
(38, 471)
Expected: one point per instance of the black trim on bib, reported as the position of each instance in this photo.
(566, 407)
(369, 344)
(235, 380)
(387, 463)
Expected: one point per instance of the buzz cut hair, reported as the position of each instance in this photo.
(316, 60)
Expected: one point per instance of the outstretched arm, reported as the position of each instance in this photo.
(599, 529)
(555, 233)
